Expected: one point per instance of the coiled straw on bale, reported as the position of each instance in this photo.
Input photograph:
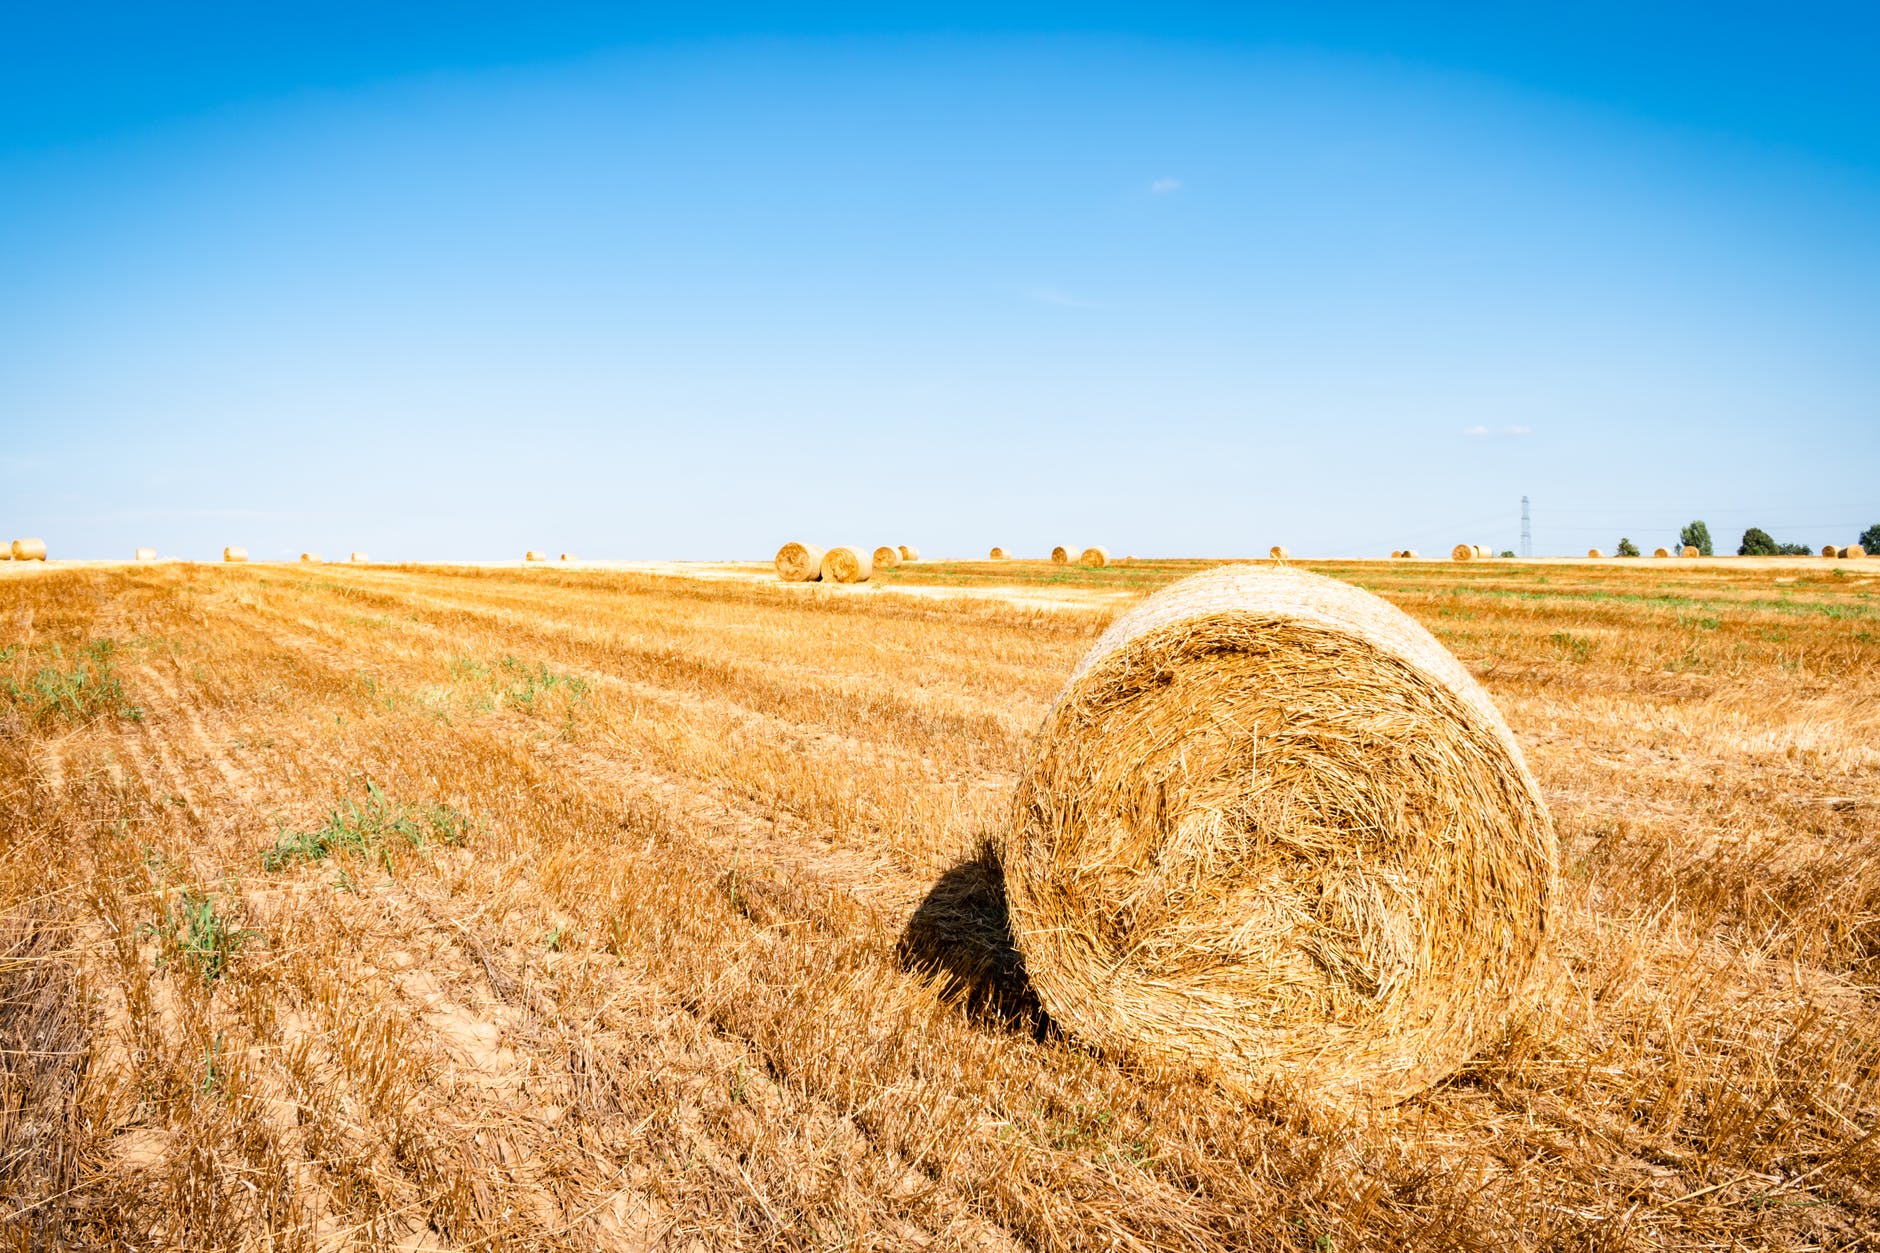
(1852, 550)
(1465, 552)
(28, 550)
(1829, 550)
(234, 554)
(846, 565)
(1661, 552)
(145, 554)
(1062, 555)
(909, 553)
(799, 563)
(1690, 550)
(1095, 556)
(567, 556)
(1278, 552)
(887, 557)
(997, 554)
(310, 556)
(1272, 831)
(1594, 552)
(533, 555)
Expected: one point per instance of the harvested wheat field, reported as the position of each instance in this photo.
(377, 907)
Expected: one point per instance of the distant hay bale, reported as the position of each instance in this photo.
(1278, 552)
(310, 556)
(359, 559)
(1829, 550)
(1410, 553)
(887, 557)
(846, 565)
(234, 554)
(1464, 552)
(997, 554)
(533, 555)
(146, 554)
(1483, 551)
(799, 563)
(27, 550)
(567, 556)
(1271, 830)
(1594, 552)
(1096, 557)
(1853, 550)
(1690, 550)
(1661, 552)
(909, 553)
(1061, 555)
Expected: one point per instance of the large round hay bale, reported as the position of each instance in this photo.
(799, 563)
(1272, 831)
(1464, 552)
(1661, 552)
(310, 556)
(1278, 552)
(359, 559)
(847, 565)
(1096, 556)
(1062, 556)
(535, 555)
(1853, 550)
(145, 554)
(887, 557)
(997, 554)
(568, 557)
(234, 553)
(27, 550)
(909, 553)
(1829, 550)
(1594, 552)
(1690, 550)
(1410, 553)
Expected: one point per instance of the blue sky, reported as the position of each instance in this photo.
(460, 282)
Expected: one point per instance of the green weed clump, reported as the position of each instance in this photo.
(195, 934)
(370, 830)
(77, 689)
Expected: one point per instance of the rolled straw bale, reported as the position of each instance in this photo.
(1278, 552)
(28, 549)
(6, 552)
(1661, 552)
(567, 557)
(1829, 550)
(1410, 553)
(1061, 555)
(1464, 552)
(146, 554)
(1095, 556)
(1594, 552)
(1690, 550)
(997, 554)
(909, 553)
(1852, 550)
(310, 556)
(799, 563)
(360, 559)
(1484, 552)
(1271, 830)
(887, 557)
(847, 565)
(534, 555)
(234, 554)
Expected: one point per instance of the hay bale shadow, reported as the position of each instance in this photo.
(961, 936)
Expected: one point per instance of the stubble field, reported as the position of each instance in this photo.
(546, 908)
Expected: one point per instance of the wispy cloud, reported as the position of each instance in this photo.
(1477, 432)
(1162, 186)
(1063, 300)
(1517, 430)
(1482, 432)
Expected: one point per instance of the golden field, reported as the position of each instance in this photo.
(377, 906)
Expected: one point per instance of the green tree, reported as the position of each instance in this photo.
(1794, 550)
(1757, 543)
(1870, 540)
(1697, 536)
(1627, 548)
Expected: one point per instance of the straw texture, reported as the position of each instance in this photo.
(909, 553)
(1829, 550)
(846, 565)
(887, 557)
(310, 556)
(234, 553)
(1853, 550)
(360, 559)
(1464, 552)
(1278, 552)
(1272, 831)
(28, 550)
(1690, 550)
(1062, 555)
(1096, 556)
(1661, 552)
(568, 557)
(997, 554)
(146, 554)
(1594, 552)
(799, 563)
(533, 555)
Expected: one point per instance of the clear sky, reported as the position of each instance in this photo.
(454, 281)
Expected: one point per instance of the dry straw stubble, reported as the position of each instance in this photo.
(887, 557)
(799, 563)
(1271, 830)
(846, 565)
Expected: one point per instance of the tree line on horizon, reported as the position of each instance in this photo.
(1756, 542)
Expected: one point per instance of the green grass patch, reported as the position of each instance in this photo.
(194, 933)
(370, 830)
(46, 685)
